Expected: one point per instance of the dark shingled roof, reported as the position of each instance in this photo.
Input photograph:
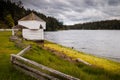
(31, 16)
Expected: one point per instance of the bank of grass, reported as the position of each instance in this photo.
(103, 63)
(78, 70)
(7, 72)
(103, 69)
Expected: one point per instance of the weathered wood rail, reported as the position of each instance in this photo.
(7, 29)
(24, 50)
(37, 70)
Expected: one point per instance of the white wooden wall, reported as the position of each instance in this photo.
(32, 24)
(33, 34)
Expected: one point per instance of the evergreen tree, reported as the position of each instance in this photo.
(9, 20)
(11, 12)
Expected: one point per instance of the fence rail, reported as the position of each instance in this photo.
(37, 70)
(24, 50)
(7, 29)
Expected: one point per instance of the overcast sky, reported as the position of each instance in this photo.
(76, 11)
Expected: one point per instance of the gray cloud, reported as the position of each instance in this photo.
(113, 2)
(76, 11)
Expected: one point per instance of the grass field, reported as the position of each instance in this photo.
(7, 72)
(103, 63)
(78, 70)
(103, 69)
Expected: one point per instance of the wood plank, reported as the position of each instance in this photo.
(33, 72)
(24, 50)
(68, 77)
(80, 60)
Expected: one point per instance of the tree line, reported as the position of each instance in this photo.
(98, 25)
(11, 12)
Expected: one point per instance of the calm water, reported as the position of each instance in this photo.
(103, 43)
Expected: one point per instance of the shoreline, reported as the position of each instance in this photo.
(98, 43)
(99, 56)
(51, 57)
(100, 62)
(95, 55)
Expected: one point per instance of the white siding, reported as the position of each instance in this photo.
(33, 34)
(33, 24)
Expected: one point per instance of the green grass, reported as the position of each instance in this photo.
(78, 70)
(103, 69)
(103, 63)
(7, 72)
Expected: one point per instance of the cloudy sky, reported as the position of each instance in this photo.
(76, 11)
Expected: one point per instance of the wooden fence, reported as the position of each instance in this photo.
(8, 29)
(24, 50)
(37, 70)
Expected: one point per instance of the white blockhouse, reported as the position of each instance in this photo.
(33, 27)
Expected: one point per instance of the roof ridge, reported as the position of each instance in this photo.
(31, 16)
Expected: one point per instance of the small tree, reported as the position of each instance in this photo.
(9, 20)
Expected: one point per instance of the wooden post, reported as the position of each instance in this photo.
(13, 32)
